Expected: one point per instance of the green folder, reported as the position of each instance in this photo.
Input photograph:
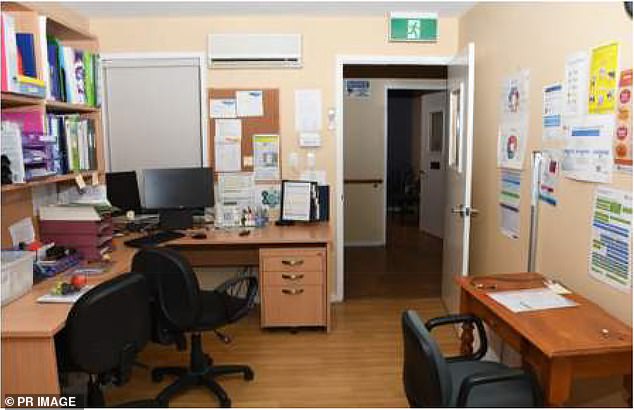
(89, 79)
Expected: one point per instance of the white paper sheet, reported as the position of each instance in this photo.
(588, 152)
(266, 157)
(71, 298)
(235, 193)
(222, 108)
(509, 221)
(307, 110)
(530, 300)
(549, 175)
(610, 252)
(552, 114)
(250, 103)
(309, 139)
(512, 145)
(296, 201)
(12, 147)
(575, 103)
(513, 129)
(228, 145)
(22, 231)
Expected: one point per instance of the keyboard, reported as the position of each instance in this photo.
(153, 239)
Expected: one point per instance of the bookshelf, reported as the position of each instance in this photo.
(71, 30)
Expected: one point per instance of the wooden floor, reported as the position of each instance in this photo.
(358, 364)
(409, 266)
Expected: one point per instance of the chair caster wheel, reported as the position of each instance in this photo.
(249, 375)
(225, 403)
(157, 377)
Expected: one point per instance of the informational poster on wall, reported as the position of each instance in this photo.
(587, 155)
(552, 114)
(235, 193)
(513, 130)
(268, 196)
(549, 176)
(266, 157)
(510, 189)
(611, 246)
(604, 65)
(623, 132)
(228, 145)
(576, 85)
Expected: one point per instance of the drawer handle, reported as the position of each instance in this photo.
(293, 262)
(293, 291)
(293, 276)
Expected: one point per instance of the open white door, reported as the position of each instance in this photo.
(458, 211)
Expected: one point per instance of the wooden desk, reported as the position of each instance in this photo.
(558, 344)
(29, 363)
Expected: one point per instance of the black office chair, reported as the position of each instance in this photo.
(432, 380)
(105, 330)
(180, 307)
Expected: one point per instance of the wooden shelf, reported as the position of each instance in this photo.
(16, 100)
(59, 106)
(45, 181)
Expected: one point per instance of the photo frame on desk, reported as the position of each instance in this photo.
(298, 203)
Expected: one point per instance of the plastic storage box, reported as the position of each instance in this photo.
(17, 274)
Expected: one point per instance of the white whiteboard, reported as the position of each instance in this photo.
(153, 114)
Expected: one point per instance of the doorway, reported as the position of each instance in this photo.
(386, 252)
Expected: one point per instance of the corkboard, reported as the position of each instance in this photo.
(269, 123)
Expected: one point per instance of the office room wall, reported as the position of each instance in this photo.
(538, 37)
(323, 38)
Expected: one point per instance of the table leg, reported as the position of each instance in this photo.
(627, 384)
(466, 339)
(556, 381)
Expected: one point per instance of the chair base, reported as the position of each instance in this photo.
(201, 372)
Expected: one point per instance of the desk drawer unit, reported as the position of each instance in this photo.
(293, 287)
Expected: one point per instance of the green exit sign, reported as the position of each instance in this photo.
(414, 27)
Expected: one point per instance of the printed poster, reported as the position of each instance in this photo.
(269, 197)
(552, 114)
(266, 157)
(587, 155)
(510, 187)
(357, 88)
(576, 84)
(611, 246)
(623, 132)
(549, 176)
(513, 130)
(604, 62)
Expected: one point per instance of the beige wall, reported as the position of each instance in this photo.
(323, 38)
(509, 37)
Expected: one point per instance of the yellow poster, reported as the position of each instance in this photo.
(603, 79)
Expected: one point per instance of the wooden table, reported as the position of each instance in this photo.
(29, 364)
(558, 344)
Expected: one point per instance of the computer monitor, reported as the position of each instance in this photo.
(178, 188)
(123, 190)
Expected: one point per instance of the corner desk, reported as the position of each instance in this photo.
(582, 341)
(295, 288)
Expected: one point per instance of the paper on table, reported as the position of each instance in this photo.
(71, 298)
(307, 110)
(222, 108)
(22, 231)
(228, 145)
(529, 300)
(249, 103)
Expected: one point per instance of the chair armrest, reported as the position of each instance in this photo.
(463, 318)
(244, 287)
(480, 379)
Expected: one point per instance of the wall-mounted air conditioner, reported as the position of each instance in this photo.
(255, 50)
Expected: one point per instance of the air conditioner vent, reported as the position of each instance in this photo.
(255, 50)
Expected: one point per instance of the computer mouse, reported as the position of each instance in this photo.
(199, 235)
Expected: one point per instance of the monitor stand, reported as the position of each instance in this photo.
(175, 219)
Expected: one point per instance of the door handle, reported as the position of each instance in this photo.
(464, 211)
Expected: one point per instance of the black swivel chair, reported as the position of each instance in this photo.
(432, 380)
(105, 330)
(180, 306)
